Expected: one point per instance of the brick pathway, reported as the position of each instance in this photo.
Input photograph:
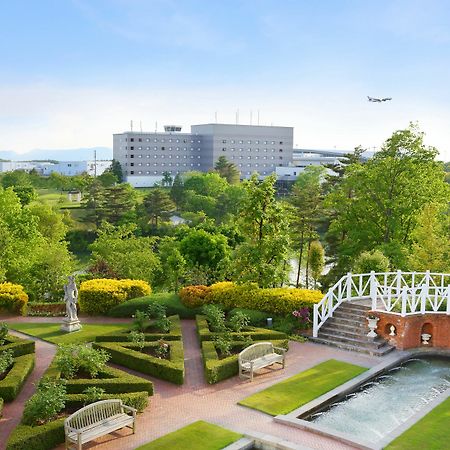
(12, 412)
(173, 407)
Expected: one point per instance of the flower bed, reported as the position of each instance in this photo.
(46, 309)
(217, 369)
(127, 354)
(122, 336)
(257, 334)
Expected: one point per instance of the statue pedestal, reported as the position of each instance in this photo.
(70, 325)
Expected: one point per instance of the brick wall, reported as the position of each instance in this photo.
(408, 330)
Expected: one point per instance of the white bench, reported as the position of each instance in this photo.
(97, 419)
(257, 356)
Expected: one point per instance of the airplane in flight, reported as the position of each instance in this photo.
(378, 100)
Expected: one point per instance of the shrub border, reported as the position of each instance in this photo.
(138, 400)
(122, 336)
(220, 369)
(170, 370)
(11, 385)
(19, 346)
(257, 334)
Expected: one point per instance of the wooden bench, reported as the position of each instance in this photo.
(97, 419)
(257, 356)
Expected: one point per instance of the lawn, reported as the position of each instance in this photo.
(284, 397)
(51, 331)
(198, 435)
(430, 432)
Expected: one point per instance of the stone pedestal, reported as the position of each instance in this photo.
(70, 325)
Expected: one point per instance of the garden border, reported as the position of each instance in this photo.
(12, 384)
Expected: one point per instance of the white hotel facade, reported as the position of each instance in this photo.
(144, 156)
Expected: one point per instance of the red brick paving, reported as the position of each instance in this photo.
(173, 407)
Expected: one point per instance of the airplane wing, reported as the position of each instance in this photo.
(386, 99)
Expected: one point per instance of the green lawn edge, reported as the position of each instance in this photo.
(51, 331)
(199, 435)
(430, 432)
(289, 394)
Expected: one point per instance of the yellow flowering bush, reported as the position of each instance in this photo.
(13, 298)
(100, 295)
(250, 296)
(194, 296)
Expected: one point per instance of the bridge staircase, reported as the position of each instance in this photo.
(347, 329)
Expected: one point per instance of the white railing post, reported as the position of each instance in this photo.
(448, 301)
(373, 289)
(425, 292)
(399, 282)
(330, 306)
(316, 320)
(404, 300)
(349, 286)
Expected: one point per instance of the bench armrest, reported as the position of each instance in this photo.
(72, 430)
(282, 350)
(129, 408)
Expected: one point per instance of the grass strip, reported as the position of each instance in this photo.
(198, 435)
(284, 397)
(52, 331)
(430, 432)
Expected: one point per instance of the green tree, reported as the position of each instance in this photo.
(167, 179)
(431, 241)
(119, 204)
(387, 194)
(177, 190)
(316, 258)
(15, 178)
(116, 169)
(107, 178)
(227, 170)
(373, 260)
(265, 226)
(118, 251)
(158, 206)
(173, 264)
(26, 194)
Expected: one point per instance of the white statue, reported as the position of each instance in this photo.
(71, 321)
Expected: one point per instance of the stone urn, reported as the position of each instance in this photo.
(372, 323)
(426, 338)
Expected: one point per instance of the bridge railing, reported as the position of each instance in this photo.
(402, 293)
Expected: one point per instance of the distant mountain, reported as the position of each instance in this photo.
(67, 154)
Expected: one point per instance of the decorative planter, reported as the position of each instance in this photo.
(425, 338)
(372, 323)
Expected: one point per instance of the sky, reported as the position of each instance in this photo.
(73, 72)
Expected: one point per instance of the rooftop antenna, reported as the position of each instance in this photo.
(140, 125)
(156, 126)
(95, 163)
(215, 116)
(258, 116)
(251, 117)
(237, 117)
(131, 123)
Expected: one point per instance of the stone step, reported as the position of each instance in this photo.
(363, 341)
(354, 307)
(350, 321)
(381, 351)
(349, 314)
(344, 331)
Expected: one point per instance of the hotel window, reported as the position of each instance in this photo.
(147, 164)
(170, 156)
(280, 150)
(281, 142)
(249, 142)
(155, 172)
(185, 140)
(155, 148)
(148, 148)
(232, 141)
(139, 156)
(140, 139)
(140, 164)
(155, 140)
(273, 142)
(132, 140)
(232, 149)
(131, 156)
(162, 140)
(147, 140)
(241, 142)
(249, 157)
(155, 156)
(256, 142)
(155, 164)
(265, 142)
(131, 148)
(147, 172)
(198, 156)
(163, 148)
(224, 149)
(178, 140)
(148, 156)
(140, 172)
(224, 141)
(162, 156)
(170, 140)
(281, 157)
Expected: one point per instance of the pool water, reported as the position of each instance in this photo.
(381, 405)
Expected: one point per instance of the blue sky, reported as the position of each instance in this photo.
(75, 71)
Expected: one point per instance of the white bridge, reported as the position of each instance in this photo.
(402, 293)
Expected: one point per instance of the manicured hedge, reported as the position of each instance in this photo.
(11, 385)
(220, 369)
(138, 400)
(13, 298)
(1, 407)
(257, 334)
(194, 296)
(276, 301)
(42, 437)
(128, 355)
(113, 381)
(18, 345)
(171, 301)
(122, 336)
(98, 296)
(46, 309)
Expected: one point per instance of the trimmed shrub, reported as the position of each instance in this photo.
(11, 385)
(113, 381)
(278, 301)
(220, 369)
(138, 400)
(18, 345)
(172, 303)
(46, 309)
(128, 355)
(194, 296)
(42, 437)
(257, 334)
(100, 295)
(1, 407)
(257, 318)
(13, 298)
(122, 336)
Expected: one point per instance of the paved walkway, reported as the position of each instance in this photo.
(173, 407)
